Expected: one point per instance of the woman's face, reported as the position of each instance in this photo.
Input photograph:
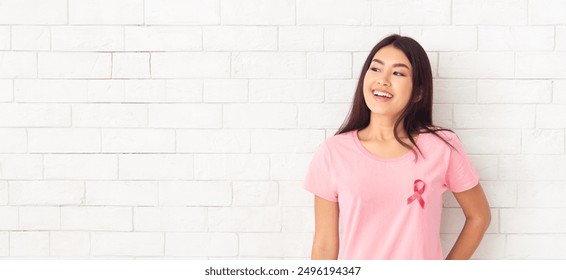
(388, 82)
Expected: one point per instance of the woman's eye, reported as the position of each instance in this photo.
(375, 69)
(398, 74)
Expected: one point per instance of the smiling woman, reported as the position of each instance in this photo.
(382, 175)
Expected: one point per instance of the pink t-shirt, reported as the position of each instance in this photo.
(389, 208)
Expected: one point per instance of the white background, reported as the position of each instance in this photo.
(183, 129)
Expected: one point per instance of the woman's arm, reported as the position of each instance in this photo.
(326, 240)
(478, 216)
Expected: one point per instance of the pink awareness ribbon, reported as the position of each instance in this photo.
(418, 192)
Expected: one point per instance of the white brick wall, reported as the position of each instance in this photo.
(169, 128)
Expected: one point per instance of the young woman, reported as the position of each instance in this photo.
(382, 175)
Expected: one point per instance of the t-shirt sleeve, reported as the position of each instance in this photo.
(319, 175)
(460, 174)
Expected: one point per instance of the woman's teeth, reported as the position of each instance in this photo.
(382, 94)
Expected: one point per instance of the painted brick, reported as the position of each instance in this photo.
(121, 193)
(185, 115)
(257, 12)
(50, 91)
(170, 219)
(256, 245)
(535, 246)
(195, 193)
(533, 220)
(560, 44)
(69, 244)
(5, 38)
(225, 91)
(130, 65)
(540, 65)
(6, 90)
(96, 218)
(46, 192)
(74, 65)
(541, 194)
(532, 167)
(9, 218)
(514, 91)
(355, 38)
(559, 92)
(155, 167)
(442, 115)
(21, 166)
(201, 244)
(162, 38)
(63, 140)
(491, 141)
(257, 116)
(298, 219)
(4, 244)
(109, 115)
(213, 141)
(80, 167)
(311, 12)
(39, 218)
(18, 65)
(285, 141)
(13, 140)
(138, 141)
(454, 91)
(27, 38)
(414, 12)
(33, 12)
(516, 38)
(289, 166)
(182, 12)
(29, 244)
(494, 116)
(477, 65)
(498, 193)
(301, 38)
(87, 38)
(244, 219)
(322, 116)
(547, 12)
(487, 166)
(268, 65)
(462, 38)
(286, 91)
(551, 116)
(231, 167)
(190, 65)
(329, 65)
(489, 12)
(246, 38)
(184, 90)
(105, 91)
(292, 193)
(144, 90)
(107, 244)
(339, 91)
(4, 193)
(543, 141)
(106, 11)
(255, 193)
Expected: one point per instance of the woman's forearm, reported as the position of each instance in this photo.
(469, 239)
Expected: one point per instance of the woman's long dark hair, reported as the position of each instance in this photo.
(417, 115)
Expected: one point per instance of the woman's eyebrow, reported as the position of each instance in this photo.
(394, 65)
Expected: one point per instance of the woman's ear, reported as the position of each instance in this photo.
(419, 96)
